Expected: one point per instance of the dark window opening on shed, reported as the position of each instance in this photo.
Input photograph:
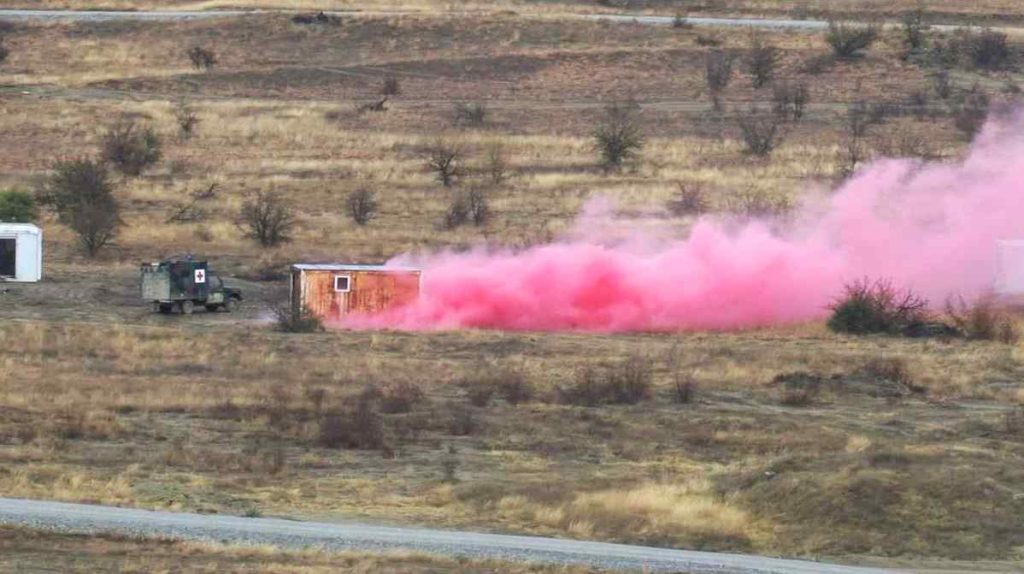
(8, 249)
(342, 283)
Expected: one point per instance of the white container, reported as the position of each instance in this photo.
(21, 252)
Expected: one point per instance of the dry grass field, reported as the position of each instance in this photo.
(910, 449)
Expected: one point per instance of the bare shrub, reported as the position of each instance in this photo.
(462, 421)
(80, 192)
(201, 58)
(971, 114)
(982, 320)
(942, 85)
(390, 87)
(479, 395)
(690, 199)
(357, 426)
(679, 21)
(618, 139)
(757, 203)
(761, 61)
(474, 114)
(789, 100)
(268, 218)
(915, 31)
(362, 205)
(985, 49)
(513, 386)
(917, 104)
(445, 160)
(496, 164)
(718, 65)
(761, 132)
(850, 40)
(4, 51)
(288, 319)
(130, 148)
(626, 382)
(187, 120)
(819, 64)
(799, 389)
(869, 307)
(470, 206)
(399, 396)
(683, 389)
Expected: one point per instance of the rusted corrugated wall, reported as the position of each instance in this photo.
(369, 291)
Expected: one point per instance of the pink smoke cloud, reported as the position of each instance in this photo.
(931, 228)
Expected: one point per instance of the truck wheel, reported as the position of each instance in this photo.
(186, 307)
(231, 305)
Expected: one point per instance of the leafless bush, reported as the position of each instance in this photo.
(496, 164)
(288, 319)
(267, 217)
(390, 87)
(513, 386)
(691, 199)
(683, 389)
(618, 138)
(971, 114)
(761, 61)
(474, 114)
(357, 426)
(942, 84)
(892, 369)
(761, 132)
(187, 119)
(915, 30)
(4, 51)
(917, 104)
(399, 396)
(202, 58)
(817, 65)
(849, 39)
(877, 307)
(470, 206)
(479, 395)
(717, 74)
(362, 205)
(129, 148)
(626, 382)
(192, 211)
(445, 160)
(799, 389)
(462, 421)
(985, 49)
(982, 320)
(789, 100)
(81, 194)
(754, 202)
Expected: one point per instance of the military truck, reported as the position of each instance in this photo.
(182, 284)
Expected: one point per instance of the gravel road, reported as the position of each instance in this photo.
(84, 518)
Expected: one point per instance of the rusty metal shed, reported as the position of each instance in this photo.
(331, 291)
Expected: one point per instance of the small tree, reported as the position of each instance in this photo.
(942, 84)
(970, 116)
(849, 40)
(17, 206)
(915, 31)
(761, 132)
(618, 138)
(877, 307)
(789, 100)
(474, 114)
(390, 87)
(202, 58)
(129, 148)
(479, 206)
(79, 191)
(445, 160)
(4, 52)
(717, 74)
(987, 50)
(268, 218)
(691, 199)
(362, 205)
(496, 164)
(187, 119)
(761, 61)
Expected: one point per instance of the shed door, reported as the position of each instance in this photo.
(8, 248)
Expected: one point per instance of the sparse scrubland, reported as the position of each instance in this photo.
(790, 440)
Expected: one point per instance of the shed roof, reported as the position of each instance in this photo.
(349, 267)
(19, 228)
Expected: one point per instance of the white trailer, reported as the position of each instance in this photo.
(21, 253)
